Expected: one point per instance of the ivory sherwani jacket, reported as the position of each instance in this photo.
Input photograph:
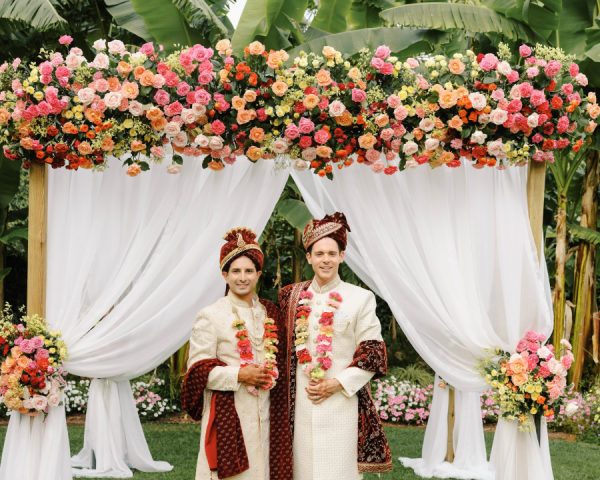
(326, 435)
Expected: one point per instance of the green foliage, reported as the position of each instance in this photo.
(40, 14)
(331, 16)
(415, 373)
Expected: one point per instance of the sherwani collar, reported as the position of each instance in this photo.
(328, 287)
(238, 302)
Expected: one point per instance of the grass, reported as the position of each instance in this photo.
(178, 444)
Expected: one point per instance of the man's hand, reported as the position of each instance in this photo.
(319, 391)
(254, 375)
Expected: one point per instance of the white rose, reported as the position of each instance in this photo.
(180, 140)
(301, 165)
(215, 143)
(201, 141)
(498, 116)
(198, 109)
(136, 108)
(544, 352)
(431, 143)
(73, 61)
(100, 45)
(571, 408)
(188, 115)
(172, 129)
(116, 46)
(496, 148)
(504, 68)
(427, 124)
(39, 402)
(53, 400)
(336, 108)
(113, 99)
(138, 58)
(86, 95)
(409, 148)
(280, 146)
(478, 137)
(515, 93)
(101, 61)
(309, 153)
(532, 120)
(478, 100)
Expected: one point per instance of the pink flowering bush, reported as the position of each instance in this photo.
(148, 401)
(401, 402)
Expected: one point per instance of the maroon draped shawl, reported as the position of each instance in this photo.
(232, 458)
(374, 455)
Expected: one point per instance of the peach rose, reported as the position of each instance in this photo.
(4, 116)
(159, 124)
(329, 52)
(310, 101)
(108, 144)
(323, 151)
(323, 78)
(130, 90)
(154, 113)
(456, 66)
(279, 88)
(382, 120)
(254, 153)
(238, 103)
(455, 122)
(354, 74)
(137, 146)
(257, 134)
(147, 78)
(134, 170)
(84, 148)
(224, 47)
(345, 119)
(447, 99)
(517, 364)
(367, 141)
(250, 96)
(256, 48)
(215, 165)
(138, 72)
(276, 58)
(461, 92)
(124, 68)
(114, 84)
(244, 116)
(519, 379)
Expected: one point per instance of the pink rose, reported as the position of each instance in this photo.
(306, 125)
(136, 108)
(400, 113)
(372, 155)
(387, 69)
(567, 88)
(522, 345)
(205, 77)
(218, 127)
(524, 51)
(532, 72)
(305, 142)
(581, 79)
(292, 131)
(358, 95)
(309, 154)
(113, 99)
(183, 89)
(378, 167)
(386, 134)
(393, 101)
(552, 68)
(488, 62)
(562, 125)
(512, 77)
(147, 48)
(383, 51)
(377, 63)
(336, 108)
(532, 361)
(65, 39)
(46, 68)
(202, 97)
(322, 136)
(326, 362)
(525, 89)
(573, 69)
(161, 97)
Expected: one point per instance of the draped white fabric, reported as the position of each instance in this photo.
(130, 262)
(451, 252)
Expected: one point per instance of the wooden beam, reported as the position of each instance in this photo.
(450, 439)
(536, 184)
(36, 244)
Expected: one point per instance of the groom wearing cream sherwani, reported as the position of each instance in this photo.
(335, 345)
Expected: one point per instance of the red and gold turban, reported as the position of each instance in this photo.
(334, 226)
(241, 241)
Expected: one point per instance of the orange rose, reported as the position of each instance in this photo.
(257, 134)
(138, 71)
(238, 103)
(124, 68)
(147, 78)
(134, 170)
(310, 101)
(447, 98)
(279, 88)
(93, 116)
(137, 146)
(323, 78)
(254, 153)
(69, 128)
(216, 165)
(108, 144)
(159, 124)
(4, 116)
(446, 157)
(250, 96)
(345, 119)
(382, 120)
(455, 122)
(256, 48)
(130, 90)
(114, 85)
(461, 92)
(324, 151)
(84, 148)
(27, 143)
(244, 116)
(456, 66)
(154, 113)
(367, 141)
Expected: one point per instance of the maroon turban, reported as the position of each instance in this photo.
(241, 241)
(334, 226)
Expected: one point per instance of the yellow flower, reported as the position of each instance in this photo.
(128, 123)
(38, 96)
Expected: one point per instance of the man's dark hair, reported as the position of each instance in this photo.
(227, 266)
(339, 244)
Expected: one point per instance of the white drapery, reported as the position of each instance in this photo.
(451, 252)
(130, 262)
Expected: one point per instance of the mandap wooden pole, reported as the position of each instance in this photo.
(36, 244)
(536, 184)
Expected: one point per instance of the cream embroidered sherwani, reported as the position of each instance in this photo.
(326, 435)
(214, 337)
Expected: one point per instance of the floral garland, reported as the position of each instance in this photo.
(324, 111)
(31, 358)
(315, 370)
(244, 347)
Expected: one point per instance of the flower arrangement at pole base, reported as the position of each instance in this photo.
(531, 381)
(31, 358)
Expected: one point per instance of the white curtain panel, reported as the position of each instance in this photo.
(130, 262)
(451, 252)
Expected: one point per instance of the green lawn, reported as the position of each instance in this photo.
(178, 444)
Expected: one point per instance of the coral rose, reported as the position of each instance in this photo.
(257, 134)
(323, 78)
(254, 153)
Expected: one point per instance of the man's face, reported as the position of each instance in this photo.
(325, 258)
(242, 276)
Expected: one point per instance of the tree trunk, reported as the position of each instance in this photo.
(36, 244)
(585, 270)
(558, 298)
